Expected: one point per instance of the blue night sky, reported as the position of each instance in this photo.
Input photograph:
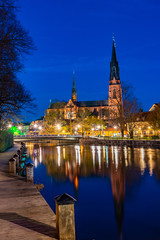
(77, 35)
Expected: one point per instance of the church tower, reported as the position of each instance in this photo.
(74, 91)
(115, 91)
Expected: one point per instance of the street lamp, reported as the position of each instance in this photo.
(58, 126)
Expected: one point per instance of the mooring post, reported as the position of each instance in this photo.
(65, 223)
(29, 172)
(15, 156)
(12, 165)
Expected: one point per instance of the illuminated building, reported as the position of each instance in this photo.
(101, 108)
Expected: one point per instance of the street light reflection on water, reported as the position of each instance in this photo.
(106, 181)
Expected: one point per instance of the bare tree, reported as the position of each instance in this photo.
(15, 43)
(124, 114)
(154, 118)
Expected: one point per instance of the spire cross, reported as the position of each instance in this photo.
(114, 40)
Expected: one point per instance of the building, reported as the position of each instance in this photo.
(104, 109)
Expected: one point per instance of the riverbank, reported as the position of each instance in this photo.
(24, 214)
(121, 142)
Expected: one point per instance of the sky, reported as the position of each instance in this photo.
(76, 35)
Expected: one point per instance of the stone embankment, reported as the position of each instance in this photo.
(24, 214)
(120, 142)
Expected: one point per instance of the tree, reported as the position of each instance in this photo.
(54, 120)
(15, 43)
(87, 120)
(124, 113)
(154, 117)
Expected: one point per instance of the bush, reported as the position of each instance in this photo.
(155, 137)
(6, 140)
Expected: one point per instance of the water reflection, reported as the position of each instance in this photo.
(93, 159)
(122, 165)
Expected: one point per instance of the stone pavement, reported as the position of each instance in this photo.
(24, 214)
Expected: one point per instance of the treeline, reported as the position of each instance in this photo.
(6, 140)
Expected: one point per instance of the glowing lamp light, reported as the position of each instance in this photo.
(98, 126)
(115, 127)
(40, 127)
(10, 125)
(92, 129)
(75, 128)
(35, 125)
(19, 127)
(78, 126)
(58, 126)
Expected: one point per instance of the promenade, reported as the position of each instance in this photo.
(24, 214)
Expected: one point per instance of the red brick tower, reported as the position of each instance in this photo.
(115, 91)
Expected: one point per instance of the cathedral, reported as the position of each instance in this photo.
(103, 109)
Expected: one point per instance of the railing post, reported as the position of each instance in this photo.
(65, 223)
(12, 165)
(29, 172)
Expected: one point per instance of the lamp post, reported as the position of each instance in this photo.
(58, 128)
(20, 128)
(35, 127)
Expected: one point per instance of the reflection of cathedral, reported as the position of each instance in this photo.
(101, 108)
(118, 191)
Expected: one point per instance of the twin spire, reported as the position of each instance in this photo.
(74, 91)
(114, 68)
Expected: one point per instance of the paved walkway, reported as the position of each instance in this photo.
(24, 214)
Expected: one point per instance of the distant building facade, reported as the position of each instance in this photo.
(102, 108)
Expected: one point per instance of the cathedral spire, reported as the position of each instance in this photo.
(114, 68)
(74, 91)
(114, 57)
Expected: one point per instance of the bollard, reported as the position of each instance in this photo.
(65, 223)
(15, 156)
(29, 172)
(19, 154)
(12, 165)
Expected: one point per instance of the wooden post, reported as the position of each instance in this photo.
(12, 165)
(65, 223)
(29, 172)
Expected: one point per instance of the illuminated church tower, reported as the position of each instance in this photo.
(74, 91)
(115, 91)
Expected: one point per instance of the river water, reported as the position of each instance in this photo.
(117, 188)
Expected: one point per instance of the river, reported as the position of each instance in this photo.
(117, 188)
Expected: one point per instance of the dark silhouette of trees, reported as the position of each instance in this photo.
(15, 43)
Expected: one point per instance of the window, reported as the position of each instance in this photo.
(114, 93)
